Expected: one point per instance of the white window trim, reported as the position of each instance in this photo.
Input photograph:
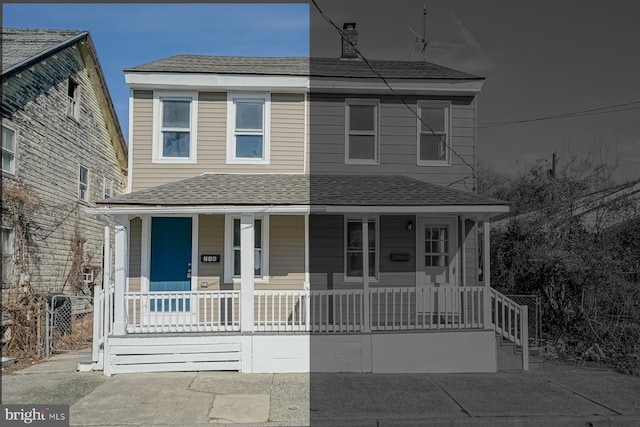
(447, 131)
(228, 249)
(454, 249)
(106, 181)
(15, 150)
(75, 112)
(376, 131)
(156, 154)
(355, 279)
(88, 183)
(231, 127)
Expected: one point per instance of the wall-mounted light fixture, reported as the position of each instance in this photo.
(410, 225)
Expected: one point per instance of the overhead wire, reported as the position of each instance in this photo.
(581, 113)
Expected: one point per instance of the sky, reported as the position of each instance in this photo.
(539, 59)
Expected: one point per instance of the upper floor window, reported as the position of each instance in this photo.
(8, 150)
(73, 96)
(361, 131)
(248, 127)
(83, 184)
(174, 130)
(107, 188)
(434, 133)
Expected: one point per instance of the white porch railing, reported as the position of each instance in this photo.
(510, 320)
(446, 307)
(322, 311)
(281, 311)
(337, 311)
(215, 311)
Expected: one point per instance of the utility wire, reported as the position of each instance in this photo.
(384, 80)
(589, 112)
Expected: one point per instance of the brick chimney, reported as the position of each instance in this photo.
(350, 34)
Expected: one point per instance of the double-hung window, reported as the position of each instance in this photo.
(434, 133)
(361, 139)
(354, 248)
(73, 98)
(174, 130)
(233, 267)
(107, 188)
(248, 128)
(83, 184)
(8, 150)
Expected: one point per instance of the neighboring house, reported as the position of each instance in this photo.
(62, 149)
(286, 214)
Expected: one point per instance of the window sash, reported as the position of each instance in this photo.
(8, 150)
(362, 131)
(436, 246)
(354, 250)
(258, 252)
(433, 132)
(108, 188)
(249, 139)
(175, 137)
(83, 184)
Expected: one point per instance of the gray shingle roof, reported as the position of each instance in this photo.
(279, 189)
(21, 46)
(300, 66)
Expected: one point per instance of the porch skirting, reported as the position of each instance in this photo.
(406, 352)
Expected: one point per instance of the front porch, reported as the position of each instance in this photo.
(210, 285)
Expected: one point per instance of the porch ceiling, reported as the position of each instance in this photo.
(314, 191)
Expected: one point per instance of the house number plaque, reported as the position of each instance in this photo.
(209, 258)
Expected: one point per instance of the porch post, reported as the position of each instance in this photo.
(98, 310)
(120, 276)
(486, 270)
(247, 272)
(366, 327)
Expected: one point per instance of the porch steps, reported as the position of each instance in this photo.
(510, 356)
(173, 354)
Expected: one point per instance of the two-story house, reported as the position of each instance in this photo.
(62, 148)
(286, 214)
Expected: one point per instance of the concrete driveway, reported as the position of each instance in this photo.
(559, 394)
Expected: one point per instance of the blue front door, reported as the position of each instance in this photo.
(170, 261)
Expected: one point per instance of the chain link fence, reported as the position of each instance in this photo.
(69, 323)
(534, 312)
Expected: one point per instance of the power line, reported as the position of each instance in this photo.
(384, 80)
(589, 112)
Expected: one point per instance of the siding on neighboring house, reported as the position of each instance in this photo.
(50, 147)
(287, 140)
(397, 139)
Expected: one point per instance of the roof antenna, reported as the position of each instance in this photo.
(422, 41)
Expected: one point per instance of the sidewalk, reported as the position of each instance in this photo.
(558, 394)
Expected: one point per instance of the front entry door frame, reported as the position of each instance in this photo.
(451, 272)
(145, 263)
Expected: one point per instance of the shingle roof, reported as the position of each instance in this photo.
(299, 66)
(22, 46)
(280, 189)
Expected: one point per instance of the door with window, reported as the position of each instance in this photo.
(170, 269)
(437, 265)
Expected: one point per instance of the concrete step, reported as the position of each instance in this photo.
(85, 364)
(510, 356)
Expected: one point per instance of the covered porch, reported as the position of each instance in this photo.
(279, 273)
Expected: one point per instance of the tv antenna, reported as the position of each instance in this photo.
(422, 41)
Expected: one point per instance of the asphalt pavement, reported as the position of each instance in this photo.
(558, 394)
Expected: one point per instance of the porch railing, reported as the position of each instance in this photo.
(183, 311)
(446, 307)
(321, 311)
(510, 320)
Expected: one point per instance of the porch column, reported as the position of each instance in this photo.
(120, 276)
(366, 327)
(247, 272)
(486, 269)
